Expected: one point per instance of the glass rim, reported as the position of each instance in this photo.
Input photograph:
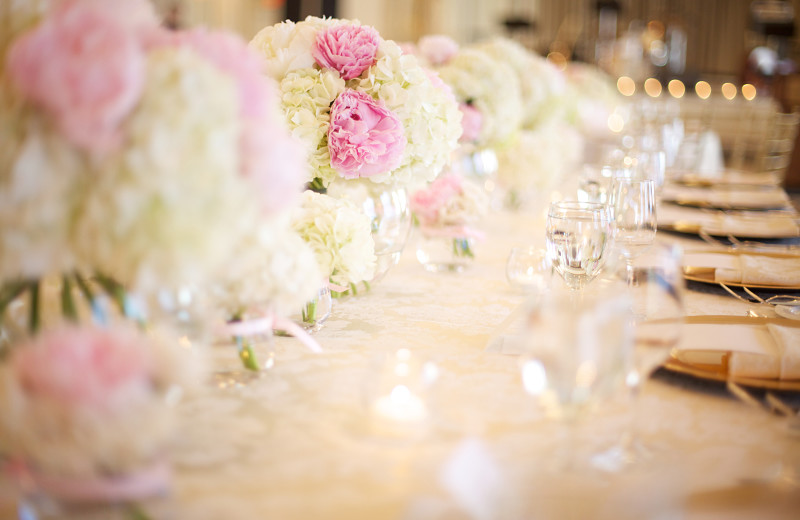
(579, 210)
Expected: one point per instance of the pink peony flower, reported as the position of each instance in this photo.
(347, 49)
(426, 203)
(271, 158)
(83, 66)
(83, 366)
(437, 48)
(364, 138)
(471, 123)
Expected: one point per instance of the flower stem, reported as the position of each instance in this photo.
(67, 300)
(34, 321)
(310, 312)
(9, 292)
(98, 313)
(246, 354)
(115, 290)
(461, 248)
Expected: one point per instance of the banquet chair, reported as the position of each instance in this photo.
(777, 148)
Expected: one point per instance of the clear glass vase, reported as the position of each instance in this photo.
(141, 494)
(314, 314)
(390, 219)
(445, 254)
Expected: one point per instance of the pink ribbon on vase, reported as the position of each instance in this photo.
(267, 323)
(452, 232)
(147, 482)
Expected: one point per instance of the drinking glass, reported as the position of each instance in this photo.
(576, 354)
(632, 204)
(657, 303)
(579, 235)
(528, 268)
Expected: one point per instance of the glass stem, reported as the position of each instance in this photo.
(630, 277)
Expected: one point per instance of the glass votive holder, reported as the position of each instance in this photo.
(396, 395)
(529, 269)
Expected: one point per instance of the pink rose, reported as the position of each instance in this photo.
(364, 137)
(84, 67)
(84, 366)
(426, 203)
(347, 49)
(271, 158)
(437, 49)
(471, 123)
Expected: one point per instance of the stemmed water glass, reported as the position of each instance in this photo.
(579, 235)
(633, 206)
(657, 299)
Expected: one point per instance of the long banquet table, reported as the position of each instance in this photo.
(293, 444)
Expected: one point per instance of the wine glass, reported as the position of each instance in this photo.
(657, 300)
(576, 354)
(579, 235)
(528, 268)
(632, 204)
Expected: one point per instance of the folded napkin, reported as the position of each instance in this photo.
(761, 270)
(759, 351)
(755, 225)
(727, 197)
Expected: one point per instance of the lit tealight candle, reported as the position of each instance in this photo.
(401, 405)
(676, 88)
(626, 86)
(748, 92)
(703, 89)
(729, 91)
(652, 87)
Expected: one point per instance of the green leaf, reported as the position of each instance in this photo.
(34, 319)
(67, 300)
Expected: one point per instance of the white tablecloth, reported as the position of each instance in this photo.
(294, 443)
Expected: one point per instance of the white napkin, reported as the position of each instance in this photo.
(761, 270)
(727, 198)
(755, 225)
(709, 154)
(757, 351)
(787, 340)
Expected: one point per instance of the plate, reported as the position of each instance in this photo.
(719, 372)
(706, 274)
(791, 312)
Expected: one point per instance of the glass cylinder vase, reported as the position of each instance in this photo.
(316, 311)
(445, 254)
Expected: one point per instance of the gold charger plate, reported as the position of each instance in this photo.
(694, 228)
(720, 372)
(706, 274)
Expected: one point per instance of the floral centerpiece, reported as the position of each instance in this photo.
(148, 180)
(363, 109)
(539, 160)
(542, 84)
(490, 96)
(448, 210)
(72, 405)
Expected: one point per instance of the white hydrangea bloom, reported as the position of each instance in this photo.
(541, 82)
(493, 88)
(168, 210)
(467, 208)
(42, 184)
(271, 268)
(340, 236)
(306, 95)
(540, 158)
